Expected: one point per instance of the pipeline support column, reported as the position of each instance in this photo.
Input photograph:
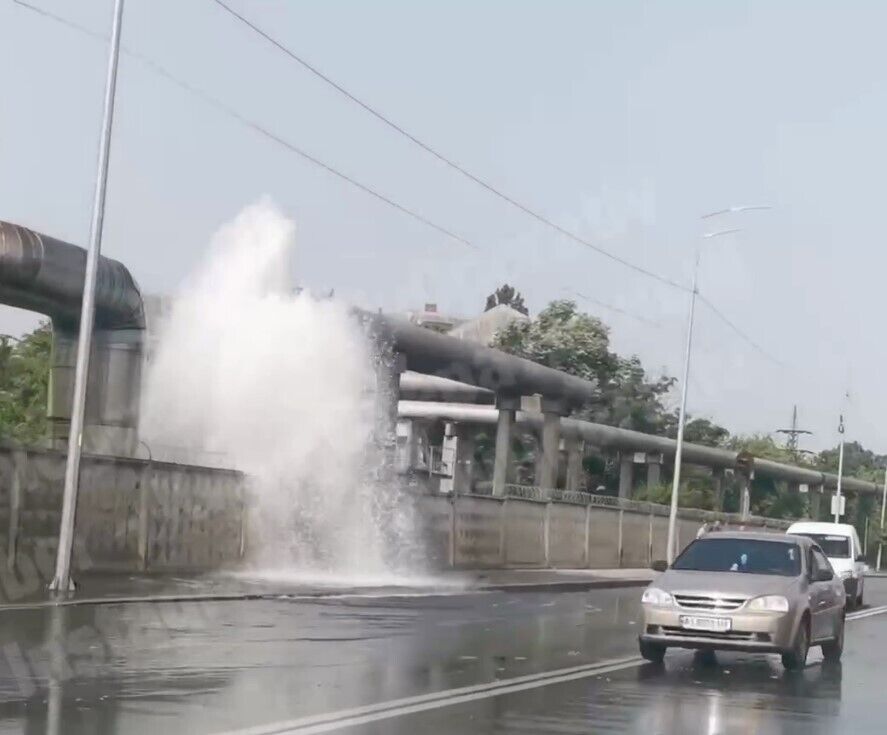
(626, 474)
(547, 468)
(717, 481)
(508, 405)
(654, 471)
(575, 452)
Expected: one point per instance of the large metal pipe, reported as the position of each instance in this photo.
(419, 387)
(46, 275)
(611, 437)
(436, 354)
(42, 274)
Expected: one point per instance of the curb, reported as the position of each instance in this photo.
(562, 586)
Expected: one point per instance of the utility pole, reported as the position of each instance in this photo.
(883, 506)
(61, 583)
(840, 471)
(679, 447)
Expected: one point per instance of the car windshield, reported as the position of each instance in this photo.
(835, 547)
(749, 556)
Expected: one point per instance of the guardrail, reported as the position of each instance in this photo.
(541, 494)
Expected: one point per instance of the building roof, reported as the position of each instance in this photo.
(482, 329)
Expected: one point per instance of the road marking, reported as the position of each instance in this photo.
(398, 707)
(870, 613)
(332, 721)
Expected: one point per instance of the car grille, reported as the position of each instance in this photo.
(732, 635)
(709, 602)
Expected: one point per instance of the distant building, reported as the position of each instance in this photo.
(431, 318)
(482, 329)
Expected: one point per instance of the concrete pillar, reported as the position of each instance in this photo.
(575, 452)
(508, 406)
(626, 474)
(654, 470)
(463, 466)
(815, 502)
(717, 480)
(546, 469)
(745, 499)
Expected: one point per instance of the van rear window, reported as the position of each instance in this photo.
(835, 547)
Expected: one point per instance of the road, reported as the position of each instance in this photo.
(530, 662)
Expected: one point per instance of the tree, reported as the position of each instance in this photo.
(508, 296)
(565, 339)
(703, 431)
(24, 382)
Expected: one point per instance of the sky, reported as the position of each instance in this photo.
(623, 121)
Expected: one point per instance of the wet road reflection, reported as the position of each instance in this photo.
(217, 666)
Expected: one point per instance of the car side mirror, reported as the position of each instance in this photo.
(824, 575)
(659, 566)
(861, 557)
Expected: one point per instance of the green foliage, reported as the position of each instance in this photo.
(579, 344)
(509, 296)
(703, 431)
(696, 492)
(24, 381)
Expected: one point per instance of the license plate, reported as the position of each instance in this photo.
(714, 625)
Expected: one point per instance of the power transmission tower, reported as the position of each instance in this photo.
(793, 433)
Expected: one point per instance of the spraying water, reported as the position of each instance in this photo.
(283, 385)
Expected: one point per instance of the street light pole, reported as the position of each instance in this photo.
(670, 550)
(679, 447)
(883, 506)
(840, 471)
(61, 583)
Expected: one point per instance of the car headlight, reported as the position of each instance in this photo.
(769, 603)
(655, 596)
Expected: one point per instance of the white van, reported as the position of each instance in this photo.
(840, 542)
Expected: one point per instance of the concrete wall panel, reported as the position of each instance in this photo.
(566, 535)
(603, 538)
(478, 535)
(524, 533)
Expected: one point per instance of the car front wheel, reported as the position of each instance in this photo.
(653, 652)
(796, 657)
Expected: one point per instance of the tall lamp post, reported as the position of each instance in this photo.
(840, 471)
(61, 583)
(682, 415)
(883, 506)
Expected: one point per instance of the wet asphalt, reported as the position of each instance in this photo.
(223, 666)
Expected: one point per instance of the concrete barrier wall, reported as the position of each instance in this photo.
(478, 528)
(132, 515)
(567, 541)
(524, 533)
(480, 531)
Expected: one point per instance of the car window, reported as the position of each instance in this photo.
(821, 562)
(835, 547)
(749, 556)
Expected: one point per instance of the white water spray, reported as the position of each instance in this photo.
(282, 385)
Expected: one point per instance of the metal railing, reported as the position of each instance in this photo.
(542, 494)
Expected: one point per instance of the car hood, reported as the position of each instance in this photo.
(841, 565)
(723, 583)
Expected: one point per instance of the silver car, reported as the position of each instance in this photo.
(746, 592)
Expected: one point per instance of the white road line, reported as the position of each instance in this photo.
(395, 708)
(870, 613)
(332, 721)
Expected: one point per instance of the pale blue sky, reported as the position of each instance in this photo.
(623, 120)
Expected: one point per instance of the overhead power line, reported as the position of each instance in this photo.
(449, 162)
(256, 127)
(738, 331)
(618, 310)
